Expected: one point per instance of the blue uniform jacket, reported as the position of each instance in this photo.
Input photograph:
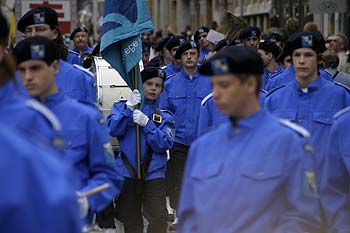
(335, 183)
(87, 148)
(268, 75)
(160, 139)
(73, 58)
(37, 192)
(255, 178)
(171, 70)
(210, 116)
(86, 49)
(287, 76)
(183, 96)
(202, 53)
(313, 110)
(29, 114)
(76, 83)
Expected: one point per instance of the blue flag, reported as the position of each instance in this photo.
(123, 23)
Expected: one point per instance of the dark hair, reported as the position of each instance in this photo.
(330, 60)
(59, 41)
(7, 69)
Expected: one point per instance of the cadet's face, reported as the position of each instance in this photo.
(251, 42)
(80, 40)
(152, 88)
(189, 58)
(265, 56)
(202, 40)
(305, 63)
(145, 58)
(230, 94)
(173, 51)
(287, 62)
(40, 30)
(167, 55)
(38, 77)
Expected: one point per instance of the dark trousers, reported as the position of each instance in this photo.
(149, 201)
(175, 170)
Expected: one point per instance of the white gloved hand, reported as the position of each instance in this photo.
(83, 206)
(140, 118)
(134, 100)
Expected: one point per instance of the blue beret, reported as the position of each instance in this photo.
(39, 15)
(184, 47)
(233, 60)
(274, 37)
(199, 31)
(250, 32)
(36, 48)
(152, 72)
(174, 41)
(79, 29)
(312, 40)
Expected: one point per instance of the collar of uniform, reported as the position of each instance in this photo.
(194, 76)
(248, 123)
(314, 86)
(7, 91)
(149, 108)
(204, 50)
(54, 98)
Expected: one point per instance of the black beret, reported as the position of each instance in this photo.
(235, 41)
(250, 32)
(312, 40)
(221, 44)
(39, 15)
(146, 47)
(152, 72)
(4, 29)
(199, 31)
(36, 48)
(274, 37)
(174, 41)
(161, 44)
(79, 29)
(270, 47)
(184, 47)
(233, 60)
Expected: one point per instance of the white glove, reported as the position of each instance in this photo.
(140, 118)
(83, 206)
(134, 100)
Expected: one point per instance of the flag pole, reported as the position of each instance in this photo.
(138, 137)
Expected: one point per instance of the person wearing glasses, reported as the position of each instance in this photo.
(200, 37)
(338, 43)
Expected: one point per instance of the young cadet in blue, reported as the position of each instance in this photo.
(309, 100)
(182, 96)
(250, 37)
(200, 37)
(80, 38)
(269, 51)
(253, 173)
(16, 110)
(172, 46)
(157, 136)
(210, 116)
(87, 148)
(72, 80)
(335, 184)
(37, 194)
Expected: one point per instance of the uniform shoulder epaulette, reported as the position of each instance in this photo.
(73, 52)
(170, 76)
(275, 89)
(84, 70)
(47, 113)
(275, 74)
(163, 67)
(342, 85)
(297, 128)
(328, 72)
(206, 99)
(264, 91)
(167, 111)
(341, 112)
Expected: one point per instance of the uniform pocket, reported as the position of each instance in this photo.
(288, 115)
(212, 170)
(74, 138)
(323, 117)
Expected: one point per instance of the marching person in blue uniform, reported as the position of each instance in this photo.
(182, 96)
(17, 110)
(146, 196)
(37, 191)
(80, 38)
(269, 51)
(254, 173)
(87, 149)
(335, 184)
(172, 46)
(200, 37)
(250, 36)
(75, 81)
